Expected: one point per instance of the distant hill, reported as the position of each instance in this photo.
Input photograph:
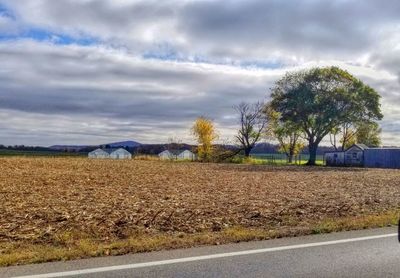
(68, 147)
(77, 148)
(125, 144)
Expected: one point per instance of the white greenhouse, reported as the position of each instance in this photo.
(167, 155)
(187, 155)
(110, 153)
(177, 155)
(98, 153)
(120, 154)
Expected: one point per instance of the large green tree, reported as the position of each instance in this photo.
(286, 133)
(320, 99)
(369, 133)
(366, 132)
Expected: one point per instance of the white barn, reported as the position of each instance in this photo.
(120, 154)
(98, 153)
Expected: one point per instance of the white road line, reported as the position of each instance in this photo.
(201, 258)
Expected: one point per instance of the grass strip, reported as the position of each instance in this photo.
(70, 245)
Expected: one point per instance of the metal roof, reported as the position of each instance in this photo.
(360, 146)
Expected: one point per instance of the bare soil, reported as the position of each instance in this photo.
(41, 198)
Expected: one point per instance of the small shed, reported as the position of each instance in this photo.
(334, 158)
(382, 158)
(186, 155)
(354, 156)
(98, 153)
(120, 154)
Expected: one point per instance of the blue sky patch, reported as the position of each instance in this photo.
(44, 35)
(262, 64)
(172, 55)
(6, 12)
(40, 34)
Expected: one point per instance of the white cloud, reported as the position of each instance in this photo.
(8, 26)
(207, 56)
(152, 99)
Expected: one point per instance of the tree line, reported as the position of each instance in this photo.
(305, 107)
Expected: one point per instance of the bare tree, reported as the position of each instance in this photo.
(345, 135)
(363, 132)
(173, 143)
(252, 121)
(225, 151)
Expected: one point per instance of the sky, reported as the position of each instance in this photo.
(92, 72)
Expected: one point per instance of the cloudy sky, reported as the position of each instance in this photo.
(90, 72)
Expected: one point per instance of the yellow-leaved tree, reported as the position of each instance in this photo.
(204, 131)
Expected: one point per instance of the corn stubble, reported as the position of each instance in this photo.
(55, 201)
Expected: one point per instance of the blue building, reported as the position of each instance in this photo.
(360, 155)
(382, 158)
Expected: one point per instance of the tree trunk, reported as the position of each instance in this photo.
(312, 148)
(291, 155)
(247, 152)
(290, 158)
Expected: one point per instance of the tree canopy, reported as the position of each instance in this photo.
(321, 99)
(286, 133)
(204, 131)
(369, 133)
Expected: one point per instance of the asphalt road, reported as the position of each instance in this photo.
(368, 253)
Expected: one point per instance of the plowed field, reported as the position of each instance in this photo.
(42, 197)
